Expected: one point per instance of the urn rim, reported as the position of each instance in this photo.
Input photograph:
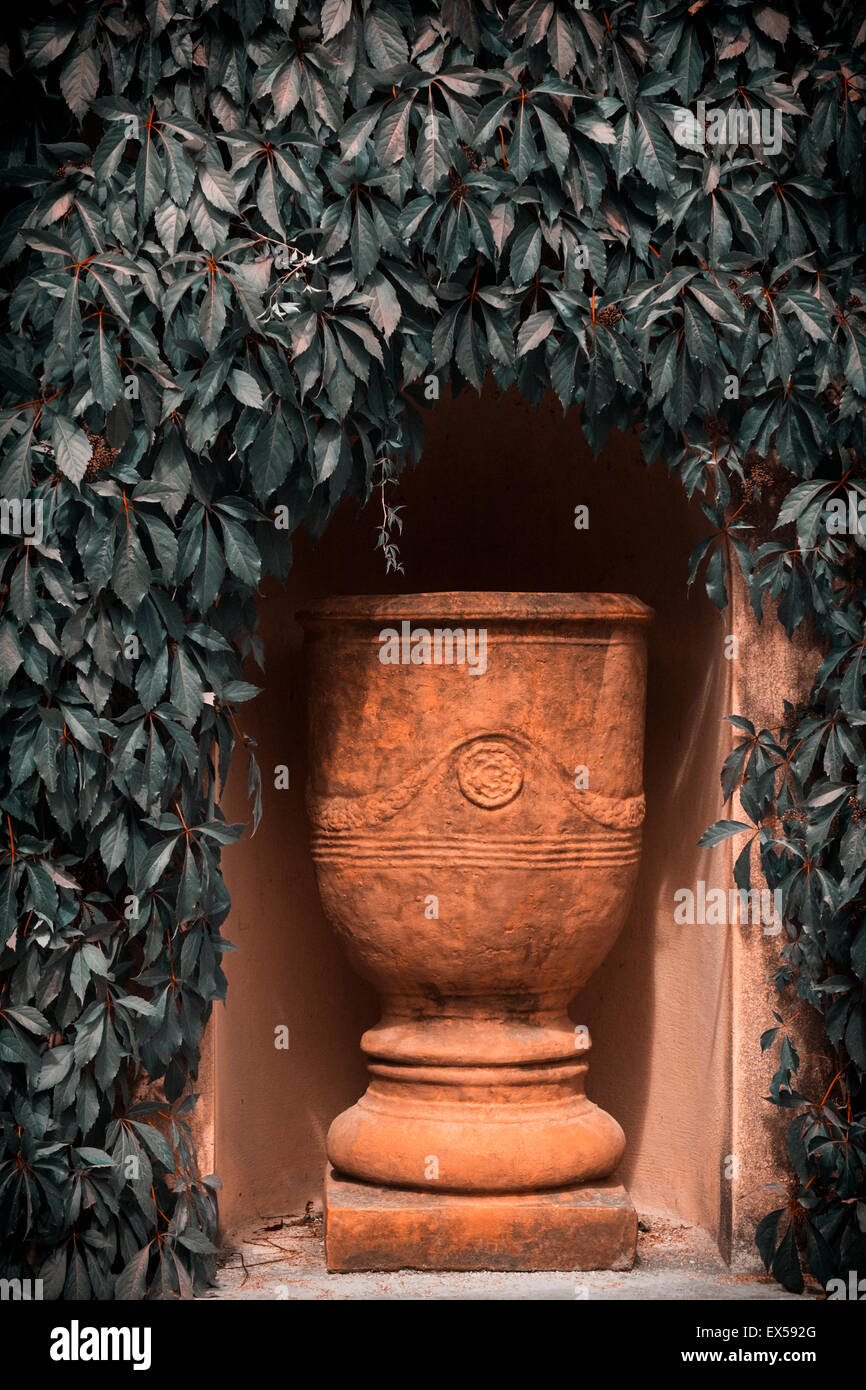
(478, 604)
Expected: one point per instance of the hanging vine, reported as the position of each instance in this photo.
(236, 232)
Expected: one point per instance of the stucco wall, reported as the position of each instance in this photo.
(491, 505)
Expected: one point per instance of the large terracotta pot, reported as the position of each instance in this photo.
(475, 878)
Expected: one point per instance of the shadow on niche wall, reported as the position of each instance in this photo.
(490, 506)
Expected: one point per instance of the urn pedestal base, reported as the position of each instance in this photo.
(387, 1228)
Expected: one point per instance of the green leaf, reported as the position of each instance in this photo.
(855, 352)
(326, 453)
(653, 151)
(383, 38)
(469, 350)
(688, 65)
(131, 1282)
(149, 176)
(104, 373)
(212, 314)
(71, 448)
(858, 953)
(383, 303)
(28, 1017)
(210, 571)
(48, 40)
(786, 1263)
(358, 129)
(130, 574)
(241, 555)
(217, 186)
(156, 1142)
(555, 140)
(245, 388)
(11, 655)
(525, 254)
(811, 314)
(534, 331)
(521, 149)
(773, 23)
(266, 199)
(363, 242)
(560, 44)
(113, 843)
(723, 830)
(179, 171)
(270, 456)
(69, 323)
(79, 81)
(392, 131)
(187, 689)
(855, 1037)
(335, 16)
(431, 156)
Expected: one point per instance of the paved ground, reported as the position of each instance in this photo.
(284, 1258)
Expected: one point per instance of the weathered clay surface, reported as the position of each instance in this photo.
(592, 1227)
(435, 786)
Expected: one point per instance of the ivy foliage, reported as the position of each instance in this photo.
(237, 233)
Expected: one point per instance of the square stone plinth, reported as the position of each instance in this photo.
(366, 1227)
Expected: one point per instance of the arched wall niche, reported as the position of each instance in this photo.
(675, 1011)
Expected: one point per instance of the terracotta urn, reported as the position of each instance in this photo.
(476, 802)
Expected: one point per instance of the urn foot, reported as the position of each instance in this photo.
(476, 1129)
(487, 1099)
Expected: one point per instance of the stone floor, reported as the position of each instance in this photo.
(283, 1258)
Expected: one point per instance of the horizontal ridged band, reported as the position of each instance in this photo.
(588, 850)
